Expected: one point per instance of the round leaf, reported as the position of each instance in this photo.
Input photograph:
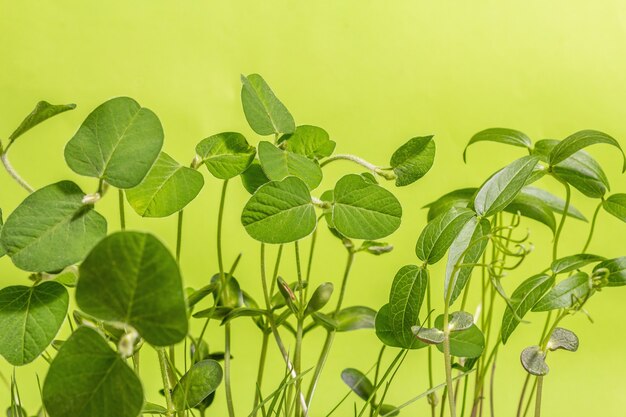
(226, 155)
(439, 234)
(199, 382)
(265, 114)
(413, 160)
(534, 361)
(278, 164)
(500, 135)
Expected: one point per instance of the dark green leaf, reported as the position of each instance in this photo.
(254, 177)
(265, 114)
(556, 204)
(468, 343)
(320, 297)
(439, 234)
(384, 327)
(616, 269)
(566, 293)
(616, 205)
(199, 382)
(413, 160)
(278, 164)
(533, 208)
(500, 135)
(574, 262)
(226, 155)
(455, 199)
(42, 112)
(355, 318)
(534, 361)
(358, 383)
(563, 339)
(310, 141)
(580, 140)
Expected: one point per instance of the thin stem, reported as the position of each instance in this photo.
(378, 361)
(166, 382)
(557, 236)
(229, 394)
(387, 174)
(431, 398)
(593, 226)
(13, 173)
(120, 201)
(179, 236)
(300, 325)
(259, 378)
(538, 399)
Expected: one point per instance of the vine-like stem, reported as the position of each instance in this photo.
(297, 358)
(431, 399)
(557, 236)
(13, 173)
(167, 388)
(387, 174)
(593, 226)
(538, 399)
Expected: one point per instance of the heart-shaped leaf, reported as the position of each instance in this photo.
(167, 188)
(130, 277)
(30, 318)
(616, 205)
(280, 212)
(226, 155)
(51, 218)
(265, 114)
(254, 177)
(580, 140)
(439, 234)
(500, 135)
(413, 160)
(617, 271)
(563, 339)
(574, 262)
(355, 318)
(199, 382)
(358, 383)
(364, 210)
(42, 112)
(88, 379)
(534, 361)
(566, 293)
(278, 164)
(310, 141)
(118, 143)
(430, 336)
(468, 343)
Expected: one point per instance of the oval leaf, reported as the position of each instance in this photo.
(405, 301)
(278, 164)
(500, 135)
(413, 160)
(532, 208)
(439, 234)
(199, 382)
(226, 155)
(555, 204)
(534, 361)
(265, 114)
(563, 339)
(468, 343)
(42, 112)
(310, 141)
(355, 318)
(320, 297)
(574, 262)
(616, 205)
(566, 293)
(358, 383)
(580, 140)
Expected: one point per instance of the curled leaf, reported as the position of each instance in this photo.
(563, 339)
(534, 361)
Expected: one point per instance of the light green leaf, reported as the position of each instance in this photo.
(413, 160)
(468, 343)
(167, 188)
(355, 318)
(130, 277)
(500, 190)
(310, 141)
(580, 140)
(501, 135)
(556, 204)
(51, 218)
(566, 293)
(151, 408)
(363, 210)
(118, 143)
(358, 383)
(280, 212)
(430, 336)
(30, 318)
(278, 164)
(199, 382)
(574, 262)
(534, 361)
(253, 177)
(320, 297)
(439, 234)
(226, 155)
(459, 321)
(563, 339)
(617, 271)
(88, 379)
(384, 327)
(458, 199)
(42, 112)
(616, 205)
(265, 114)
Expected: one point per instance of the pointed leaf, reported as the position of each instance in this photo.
(226, 155)
(355, 318)
(358, 383)
(501, 135)
(455, 199)
(413, 160)
(532, 208)
(534, 361)
(617, 271)
(616, 205)
(310, 141)
(574, 262)
(556, 204)
(265, 114)
(580, 140)
(42, 112)
(278, 164)
(566, 293)
(199, 382)
(563, 339)
(439, 234)
(253, 177)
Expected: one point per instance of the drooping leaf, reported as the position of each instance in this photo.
(199, 382)
(358, 382)
(566, 293)
(616, 205)
(468, 343)
(574, 262)
(413, 160)
(310, 141)
(555, 203)
(430, 336)
(278, 164)
(439, 234)
(51, 218)
(563, 339)
(130, 277)
(226, 155)
(167, 188)
(500, 190)
(534, 361)
(522, 301)
(280, 212)
(500, 135)
(355, 318)
(617, 271)
(363, 210)
(118, 143)
(532, 208)
(253, 177)
(30, 318)
(580, 140)
(458, 199)
(88, 379)
(265, 114)
(42, 112)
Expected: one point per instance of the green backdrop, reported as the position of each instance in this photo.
(373, 74)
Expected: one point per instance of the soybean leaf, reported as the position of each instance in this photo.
(459, 321)
(265, 114)
(413, 160)
(439, 234)
(468, 343)
(354, 318)
(358, 382)
(199, 382)
(430, 336)
(30, 318)
(566, 293)
(42, 112)
(617, 271)
(580, 140)
(242, 312)
(375, 248)
(226, 155)
(87, 374)
(363, 210)
(52, 217)
(563, 339)
(320, 297)
(500, 190)
(534, 361)
(151, 408)
(280, 212)
(616, 205)
(532, 208)
(167, 188)
(457, 198)
(278, 164)
(556, 204)
(384, 327)
(118, 143)
(253, 177)
(130, 277)
(501, 135)
(574, 262)
(325, 321)
(310, 141)
(522, 301)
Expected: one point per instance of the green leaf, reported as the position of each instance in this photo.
(566, 293)
(616, 205)
(199, 382)
(151, 408)
(556, 204)
(468, 343)
(30, 318)
(502, 188)
(574, 262)
(532, 208)
(254, 177)
(501, 135)
(51, 218)
(363, 210)
(226, 155)
(459, 321)
(358, 383)
(439, 234)
(355, 318)
(2, 250)
(310, 141)
(320, 297)
(413, 160)
(580, 140)
(130, 277)
(430, 336)
(280, 212)
(118, 143)
(617, 271)
(522, 301)
(88, 379)
(265, 114)
(455, 199)
(563, 339)
(534, 361)
(278, 164)
(42, 112)
(167, 188)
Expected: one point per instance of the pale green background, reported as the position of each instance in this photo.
(374, 74)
